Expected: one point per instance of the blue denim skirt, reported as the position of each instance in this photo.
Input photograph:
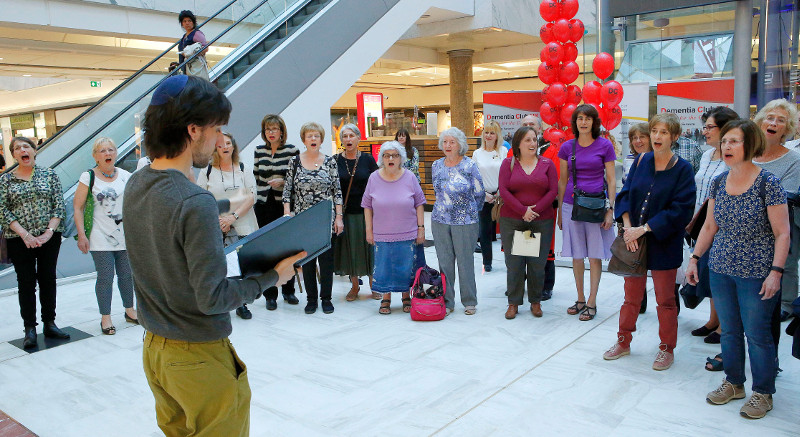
(396, 263)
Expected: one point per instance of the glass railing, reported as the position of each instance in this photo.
(120, 116)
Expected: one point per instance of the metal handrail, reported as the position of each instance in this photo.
(136, 101)
(128, 80)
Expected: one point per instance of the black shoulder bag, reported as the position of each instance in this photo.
(586, 207)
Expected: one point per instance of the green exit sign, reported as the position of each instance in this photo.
(95, 84)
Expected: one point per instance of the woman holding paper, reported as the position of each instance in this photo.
(528, 185)
(656, 202)
(227, 178)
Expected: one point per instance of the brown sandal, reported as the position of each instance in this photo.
(386, 307)
(406, 304)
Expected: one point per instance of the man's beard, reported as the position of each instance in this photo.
(200, 159)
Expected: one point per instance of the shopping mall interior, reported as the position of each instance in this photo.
(75, 70)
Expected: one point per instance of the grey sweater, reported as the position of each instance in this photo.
(175, 248)
(786, 169)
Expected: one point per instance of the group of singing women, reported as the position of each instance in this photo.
(741, 258)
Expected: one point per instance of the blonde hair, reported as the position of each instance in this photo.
(493, 126)
(100, 141)
(234, 152)
(312, 127)
(791, 111)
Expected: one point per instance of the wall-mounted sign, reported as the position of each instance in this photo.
(95, 83)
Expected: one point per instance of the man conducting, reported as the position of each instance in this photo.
(179, 270)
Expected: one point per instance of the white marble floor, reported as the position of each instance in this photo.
(358, 373)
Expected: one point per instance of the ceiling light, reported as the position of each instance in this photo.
(26, 75)
(1, 59)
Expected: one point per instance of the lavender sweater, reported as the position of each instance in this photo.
(394, 206)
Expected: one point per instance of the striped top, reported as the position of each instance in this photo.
(267, 166)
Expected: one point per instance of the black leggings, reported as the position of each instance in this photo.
(266, 213)
(487, 230)
(325, 260)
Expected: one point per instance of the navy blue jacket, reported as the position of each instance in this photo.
(669, 210)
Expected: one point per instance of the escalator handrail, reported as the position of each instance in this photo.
(153, 87)
(130, 78)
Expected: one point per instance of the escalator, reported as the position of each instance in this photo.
(277, 49)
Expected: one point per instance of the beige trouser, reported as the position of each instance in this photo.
(200, 389)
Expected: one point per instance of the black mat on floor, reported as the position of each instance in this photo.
(43, 342)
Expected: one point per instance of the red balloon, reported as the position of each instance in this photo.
(566, 113)
(568, 131)
(576, 30)
(548, 133)
(568, 72)
(569, 8)
(550, 10)
(561, 30)
(591, 92)
(546, 33)
(574, 94)
(613, 117)
(548, 113)
(603, 65)
(558, 137)
(611, 94)
(553, 53)
(557, 94)
(570, 51)
(547, 74)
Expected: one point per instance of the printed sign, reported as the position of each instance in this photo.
(691, 98)
(508, 108)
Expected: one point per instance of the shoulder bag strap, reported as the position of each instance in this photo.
(295, 162)
(574, 172)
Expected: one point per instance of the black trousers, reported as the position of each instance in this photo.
(32, 266)
(486, 231)
(549, 275)
(267, 213)
(325, 261)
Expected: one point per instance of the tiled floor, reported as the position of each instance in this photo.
(358, 373)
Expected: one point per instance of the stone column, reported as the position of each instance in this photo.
(461, 103)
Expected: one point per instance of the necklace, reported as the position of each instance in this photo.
(109, 175)
(353, 172)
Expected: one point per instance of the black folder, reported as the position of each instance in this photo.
(263, 249)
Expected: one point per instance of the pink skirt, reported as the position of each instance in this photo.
(584, 240)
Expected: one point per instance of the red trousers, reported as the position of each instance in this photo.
(664, 282)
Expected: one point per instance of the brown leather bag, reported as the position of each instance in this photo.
(624, 262)
(498, 201)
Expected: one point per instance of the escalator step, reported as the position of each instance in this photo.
(238, 70)
(312, 9)
(298, 20)
(256, 55)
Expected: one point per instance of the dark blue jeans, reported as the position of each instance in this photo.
(742, 312)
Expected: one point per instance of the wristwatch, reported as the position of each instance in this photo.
(51, 230)
(236, 216)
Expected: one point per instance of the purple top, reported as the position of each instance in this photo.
(591, 166)
(394, 206)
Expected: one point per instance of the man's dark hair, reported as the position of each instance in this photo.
(187, 14)
(587, 111)
(200, 103)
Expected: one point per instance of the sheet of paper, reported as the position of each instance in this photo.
(233, 264)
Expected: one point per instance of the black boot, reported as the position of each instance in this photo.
(311, 307)
(52, 331)
(291, 299)
(30, 337)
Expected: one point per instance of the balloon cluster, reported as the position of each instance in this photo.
(606, 96)
(558, 68)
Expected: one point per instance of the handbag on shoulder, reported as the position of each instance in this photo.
(586, 207)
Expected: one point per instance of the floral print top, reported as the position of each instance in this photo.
(459, 192)
(744, 244)
(31, 203)
(412, 163)
(312, 186)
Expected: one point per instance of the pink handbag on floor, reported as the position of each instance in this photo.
(427, 305)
